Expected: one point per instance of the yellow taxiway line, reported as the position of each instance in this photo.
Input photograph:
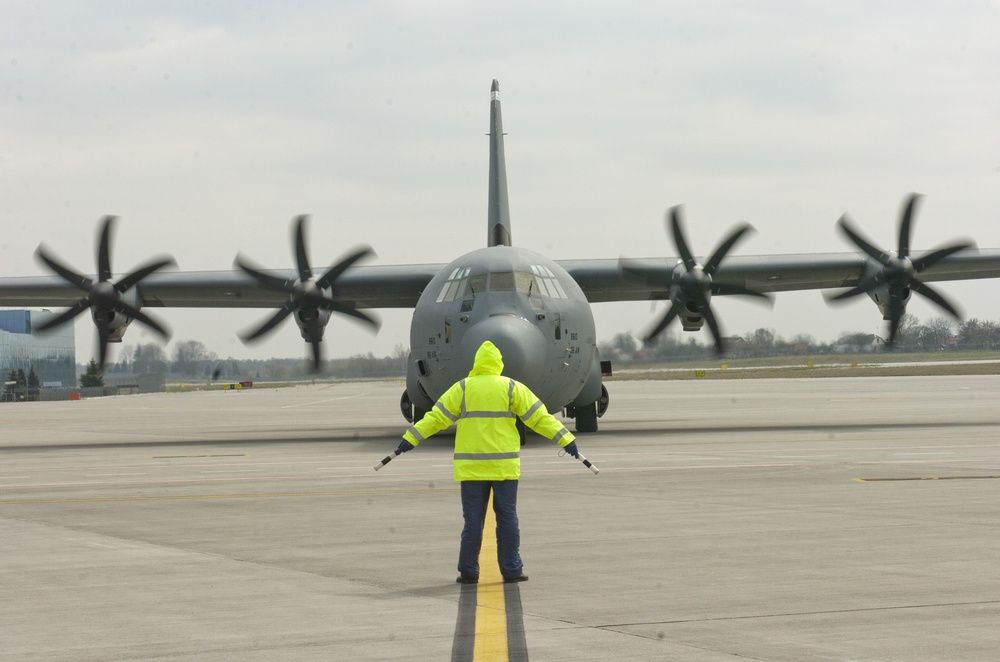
(491, 607)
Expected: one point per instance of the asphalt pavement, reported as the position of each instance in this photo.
(777, 519)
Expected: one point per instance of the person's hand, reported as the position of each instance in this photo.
(404, 446)
(571, 449)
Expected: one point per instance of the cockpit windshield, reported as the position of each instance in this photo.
(539, 282)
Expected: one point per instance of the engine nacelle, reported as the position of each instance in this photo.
(691, 320)
(683, 280)
(880, 295)
(115, 324)
(312, 323)
(881, 298)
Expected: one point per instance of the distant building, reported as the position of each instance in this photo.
(52, 354)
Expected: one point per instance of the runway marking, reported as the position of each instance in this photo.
(517, 645)
(910, 478)
(803, 457)
(172, 457)
(319, 402)
(490, 623)
(464, 643)
(134, 473)
(261, 495)
(918, 454)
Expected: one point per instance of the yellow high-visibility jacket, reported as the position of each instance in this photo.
(484, 407)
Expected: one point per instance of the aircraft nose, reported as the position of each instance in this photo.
(520, 342)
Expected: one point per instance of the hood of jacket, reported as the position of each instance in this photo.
(488, 360)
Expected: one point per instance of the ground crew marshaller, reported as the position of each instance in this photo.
(485, 407)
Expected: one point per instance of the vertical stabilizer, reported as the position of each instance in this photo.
(499, 214)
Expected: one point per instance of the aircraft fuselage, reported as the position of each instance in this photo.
(523, 302)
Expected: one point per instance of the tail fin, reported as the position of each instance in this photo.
(499, 214)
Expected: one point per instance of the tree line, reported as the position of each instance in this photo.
(192, 361)
(937, 334)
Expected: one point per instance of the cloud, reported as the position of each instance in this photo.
(207, 127)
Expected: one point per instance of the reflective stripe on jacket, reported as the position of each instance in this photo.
(485, 407)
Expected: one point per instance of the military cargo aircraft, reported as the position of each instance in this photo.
(536, 310)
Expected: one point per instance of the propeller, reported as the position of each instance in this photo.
(311, 299)
(693, 287)
(104, 297)
(898, 272)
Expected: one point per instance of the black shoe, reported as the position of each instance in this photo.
(467, 579)
(515, 578)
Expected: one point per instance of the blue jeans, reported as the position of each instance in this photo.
(475, 497)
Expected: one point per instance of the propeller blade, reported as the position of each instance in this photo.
(317, 355)
(335, 271)
(632, 269)
(727, 289)
(863, 287)
(76, 309)
(103, 297)
(265, 279)
(725, 247)
(895, 314)
(306, 293)
(665, 321)
(138, 315)
(679, 241)
(104, 250)
(876, 253)
(301, 260)
(898, 274)
(274, 321)
(936, 256)
(905, 223)
(133, 278)
(713, 324)
(337, 307)
(932, 294)
(79, 281)
(102, 339)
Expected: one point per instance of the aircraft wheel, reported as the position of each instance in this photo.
(586, 418)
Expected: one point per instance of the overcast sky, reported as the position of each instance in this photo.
(208, 126)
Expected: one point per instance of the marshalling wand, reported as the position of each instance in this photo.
(386, 460)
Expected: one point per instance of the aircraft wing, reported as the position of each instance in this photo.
(603, 280)
(363, 286)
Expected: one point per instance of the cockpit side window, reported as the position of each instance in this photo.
(525, 283)
(477, 284)
(456, 285)
(547, 283)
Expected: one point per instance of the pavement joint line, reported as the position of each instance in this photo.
(915, 478)
(178, 457)
(181, 497)
(800, 613)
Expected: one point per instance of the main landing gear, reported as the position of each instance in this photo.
(586, 415)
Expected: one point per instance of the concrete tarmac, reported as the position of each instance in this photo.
(783, 520)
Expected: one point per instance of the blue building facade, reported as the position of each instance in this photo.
(52, 354)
